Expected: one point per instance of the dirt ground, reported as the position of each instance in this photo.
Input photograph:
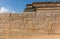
(41, 37)
(38, 37)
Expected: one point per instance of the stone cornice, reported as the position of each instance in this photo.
(47, 8)
(45, 4)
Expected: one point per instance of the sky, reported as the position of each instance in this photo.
(16, 5)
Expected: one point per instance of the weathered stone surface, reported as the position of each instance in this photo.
(14, 25)
(4, 16)
(15, 16)
(28, 14)
(42, 22)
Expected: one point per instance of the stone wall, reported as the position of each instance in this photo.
(13, 25)
(51, 19)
